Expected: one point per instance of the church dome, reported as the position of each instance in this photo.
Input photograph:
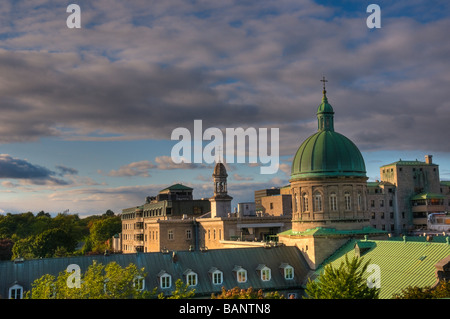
(327, 153)
(220, 170)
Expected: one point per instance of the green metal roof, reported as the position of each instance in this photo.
(176, 187)
(402, 264)
(400, 162)
(322, 231)
(327, 153)
(427, 196)
(225, 260)
(325, 107)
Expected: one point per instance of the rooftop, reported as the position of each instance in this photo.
(428, 196)
(402, 263)
(201, 263)
(176, 187)
(322, 231)
(410, 163)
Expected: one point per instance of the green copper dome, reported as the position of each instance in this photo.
(327, 153)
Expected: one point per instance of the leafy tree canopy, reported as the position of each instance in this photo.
(344, 282)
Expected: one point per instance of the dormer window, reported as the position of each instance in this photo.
(264, 272)
(241, 274)
(287, 271)
(216, 276)
(16, 292)
(191, 278)
(139, 283)
(165, 280)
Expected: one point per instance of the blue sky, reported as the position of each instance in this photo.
(86, 114)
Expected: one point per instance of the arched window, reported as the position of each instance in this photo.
(305, 202)
(333, 201)
(348, 201)
(359, 201)
(317, 202)
(295, 202)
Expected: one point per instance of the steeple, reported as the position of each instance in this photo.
(325, 113)
(221, 201)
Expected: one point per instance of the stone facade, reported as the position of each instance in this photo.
(341, 202)
(276, 205)
(407, 195)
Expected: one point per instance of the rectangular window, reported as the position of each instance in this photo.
(166, 281)
(241, 276)
(170, 234)
(372, 203)
(191, 279)
(288, 273)
(265, 274)
(217, 278)
(15, 292)
(188, 234)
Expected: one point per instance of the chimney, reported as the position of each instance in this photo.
(429, 159)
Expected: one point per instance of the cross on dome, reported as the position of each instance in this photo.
(324, 80)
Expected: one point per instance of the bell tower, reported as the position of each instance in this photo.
(220, 202)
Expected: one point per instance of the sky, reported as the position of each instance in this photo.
(86, 114)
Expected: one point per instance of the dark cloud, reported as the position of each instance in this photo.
(142, 69)
(15, 168)
(64, 170)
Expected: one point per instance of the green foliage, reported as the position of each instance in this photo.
(345, 282)
(442, 290)
(250, 293)
(98, 282)
(182, 291)
(44, 244)
(43, 236)
(6, 246)
(102, 230)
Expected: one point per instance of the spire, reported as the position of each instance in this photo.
(325, 118)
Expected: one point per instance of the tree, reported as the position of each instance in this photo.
(102, 230)
(181, 291)
(442, 290)
(250, 293)
(345, 282)
(108, 213)
(44, 244)
(98, 282)
(6, 246)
